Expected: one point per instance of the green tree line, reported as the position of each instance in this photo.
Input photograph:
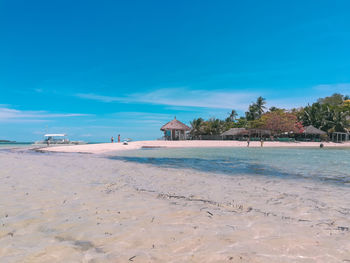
(330, 114)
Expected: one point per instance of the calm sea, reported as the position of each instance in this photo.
(14, 144)
(328, 165)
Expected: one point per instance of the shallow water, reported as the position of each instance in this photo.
(328, 165)
(15, 145)
(164, 205)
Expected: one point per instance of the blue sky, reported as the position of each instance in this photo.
(94, 69)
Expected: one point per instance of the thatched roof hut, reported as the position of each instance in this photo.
(235, 132)
(175, 130)
(175, 125)
(313, 131)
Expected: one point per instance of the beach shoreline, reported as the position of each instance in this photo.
(110, 147)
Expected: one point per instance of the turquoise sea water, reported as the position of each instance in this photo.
(15, 144)
(328, 165)
(4, 145)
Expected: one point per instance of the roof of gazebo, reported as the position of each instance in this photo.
(175, 125)
(312, 130)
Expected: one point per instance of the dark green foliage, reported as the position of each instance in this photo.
(197, 127)
(273, 109)
(329, 114)
(335, 100)
(256, 110)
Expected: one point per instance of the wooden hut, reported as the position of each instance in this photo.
(175, 130)
(313, 132)
(235, 133)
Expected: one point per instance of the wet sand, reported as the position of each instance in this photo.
(88, 208)
(109, 147)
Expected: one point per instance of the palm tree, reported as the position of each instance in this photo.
(214, 126)
(317, 115)
(256, 109)
(335, 120)
(196, 127)
(325, 117)
(232, 115)
(252, 113)
(260, 106)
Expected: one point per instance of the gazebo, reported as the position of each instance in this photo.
(311, 130)
(235, 133)
(175, 130)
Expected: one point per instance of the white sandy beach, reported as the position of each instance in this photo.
(87, 208)
(109, 147)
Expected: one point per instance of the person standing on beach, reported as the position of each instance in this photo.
(248, 141)
(118, 137)
(262, 142)
(112, 139)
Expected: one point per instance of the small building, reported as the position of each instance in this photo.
(175, 130)
(235, 133)
(313, 133)
(340, 137)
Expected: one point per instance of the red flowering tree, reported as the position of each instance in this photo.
(280, 122)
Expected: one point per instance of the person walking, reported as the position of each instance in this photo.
(112, 139)
(118, 137)
(248, 141)
(262, 142)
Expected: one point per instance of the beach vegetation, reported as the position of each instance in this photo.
(214, 126)
(279, 122)
(256, 109)
(329, 114)
(197, 127)
(334, 100)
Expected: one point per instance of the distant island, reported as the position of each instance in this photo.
(6, 141)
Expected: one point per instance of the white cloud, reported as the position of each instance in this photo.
(91, 96)
(131, 115)
(183, 97)
(13, 115)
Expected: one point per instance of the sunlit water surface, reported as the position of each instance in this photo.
(11, 145)
(328, 165)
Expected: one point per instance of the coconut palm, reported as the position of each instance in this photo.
(213, 126)
(314, 115)
(335, 121)
(325, 117)
(260, 106)
(233, 115)
(252, 113)
(256, 110)
(197, 127)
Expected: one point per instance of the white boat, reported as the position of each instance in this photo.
(58, 138)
